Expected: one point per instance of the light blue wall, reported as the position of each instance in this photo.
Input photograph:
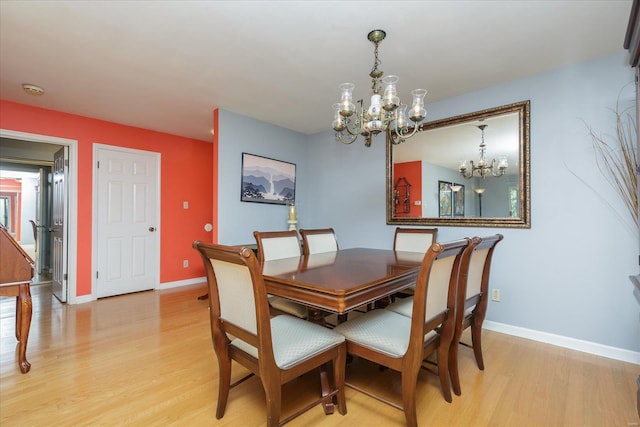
(568, 274)
(237, 134)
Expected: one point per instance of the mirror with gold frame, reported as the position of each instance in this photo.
(491, 193)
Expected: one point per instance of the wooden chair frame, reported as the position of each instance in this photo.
(410, 364)
(271, 376)
(464, 302)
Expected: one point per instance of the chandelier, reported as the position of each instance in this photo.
(385, 113)
(483, 168)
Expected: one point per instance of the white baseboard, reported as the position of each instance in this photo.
(566, 342)
(81, 299)
(179, 283)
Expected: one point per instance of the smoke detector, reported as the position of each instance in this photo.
(32, 89)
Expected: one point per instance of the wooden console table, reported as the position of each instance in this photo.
(16, 274)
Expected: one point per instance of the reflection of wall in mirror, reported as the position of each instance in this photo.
(495, 200)
(412, 172)
(431, 175)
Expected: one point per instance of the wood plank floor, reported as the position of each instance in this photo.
(146, 360)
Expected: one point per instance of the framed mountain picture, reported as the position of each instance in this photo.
(266, 180)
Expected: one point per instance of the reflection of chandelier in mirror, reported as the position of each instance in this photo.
(483, 168)
(385, 114)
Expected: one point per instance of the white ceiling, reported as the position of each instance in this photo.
(165, 65)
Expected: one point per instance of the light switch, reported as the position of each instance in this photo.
(185, 205)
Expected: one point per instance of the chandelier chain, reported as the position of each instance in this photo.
(375, 73)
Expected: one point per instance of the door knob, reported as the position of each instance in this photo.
(152, 229)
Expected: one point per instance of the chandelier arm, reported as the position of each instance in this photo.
(352, 129)
(355, 127)
(347, 141)
(393, 137)
(404, 132)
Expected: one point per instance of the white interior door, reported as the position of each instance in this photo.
(57, 230)
(127, 214)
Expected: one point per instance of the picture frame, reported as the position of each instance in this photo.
(266, 180)
(445, 201)
(450, 199)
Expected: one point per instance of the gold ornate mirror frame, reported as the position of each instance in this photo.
(521, 166)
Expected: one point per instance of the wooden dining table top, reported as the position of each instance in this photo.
(343, 280)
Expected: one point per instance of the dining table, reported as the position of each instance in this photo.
(341, 281)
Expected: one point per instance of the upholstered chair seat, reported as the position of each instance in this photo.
(403, 306)
(294, 340)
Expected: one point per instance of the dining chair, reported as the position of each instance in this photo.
(318, 240)
(277, 349)
(471, 305)
(415, 240)
(400, 342)
(34, 228)
(279, 245)
(322, 241)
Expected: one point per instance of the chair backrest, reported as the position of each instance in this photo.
(474, 288)
(34, 227)
(238, 305)
(435, 294)
(414, 239)
(319, 240)
(277, 244)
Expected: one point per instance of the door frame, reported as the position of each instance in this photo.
(70, 239)
(94, 214)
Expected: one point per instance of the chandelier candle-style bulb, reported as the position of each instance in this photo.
(347, 107)
(463, 166)
(338, 120)
(401, 116)
(418, 113)
(390, 100)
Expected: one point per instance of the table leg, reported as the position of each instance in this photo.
(23, 322)
(317, 316)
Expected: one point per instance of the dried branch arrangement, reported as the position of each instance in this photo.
(617, 160)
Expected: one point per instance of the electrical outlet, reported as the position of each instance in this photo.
(185, 263)
(495, 295)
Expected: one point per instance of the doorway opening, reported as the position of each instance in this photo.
(25, 210)
(28, 148)
(26, 170)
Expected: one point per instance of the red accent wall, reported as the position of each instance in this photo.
(186, 168)
(412, 172)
